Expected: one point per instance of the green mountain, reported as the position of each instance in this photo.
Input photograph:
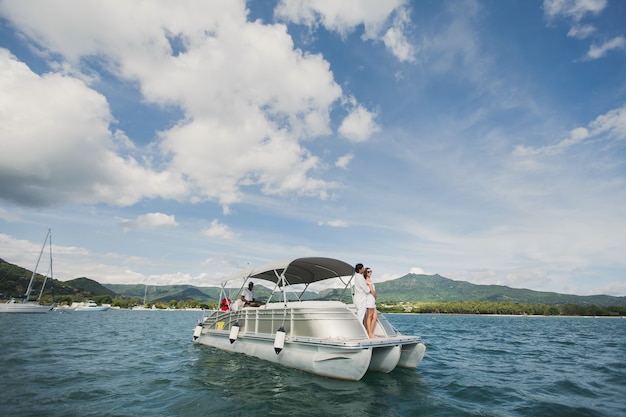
(166, 293)
(90, 287)
(127, 290)
(435, 288)
(409, 288)
(14, 282)
(191, 293)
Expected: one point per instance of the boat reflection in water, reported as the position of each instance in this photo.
(321, 337)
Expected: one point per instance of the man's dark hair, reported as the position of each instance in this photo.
(358, 267)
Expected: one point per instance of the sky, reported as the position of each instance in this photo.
(180, 142)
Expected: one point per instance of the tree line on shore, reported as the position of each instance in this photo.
(409, 294)
(126, 302)
(487, 307)
(455, 307)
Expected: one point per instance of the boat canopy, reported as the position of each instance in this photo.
(300, 271)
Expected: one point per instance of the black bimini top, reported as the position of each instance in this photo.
(300, 271)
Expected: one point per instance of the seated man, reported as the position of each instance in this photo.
(247, 296)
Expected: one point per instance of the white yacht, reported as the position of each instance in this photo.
(321, 337)
(91, 305)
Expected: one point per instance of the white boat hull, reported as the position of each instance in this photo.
(31, 308)
(411, 355)
(91, 306)
(321, 337)
(342, 363)
(385, 359)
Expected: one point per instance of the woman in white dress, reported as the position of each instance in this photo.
(371, 316)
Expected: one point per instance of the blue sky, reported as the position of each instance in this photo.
(179, 142)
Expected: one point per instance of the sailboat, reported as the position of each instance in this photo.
(143, 306)
(28, 306)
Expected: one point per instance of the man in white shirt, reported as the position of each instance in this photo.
(361, 289)
(247, 296)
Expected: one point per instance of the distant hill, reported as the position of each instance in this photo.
(433, 288)
(191, 293)
(14, 282)
(89, 286)
(166, 293)
(127, 290)
(409, 288)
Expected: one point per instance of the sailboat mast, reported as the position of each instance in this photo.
(49, 273)
(32, 277)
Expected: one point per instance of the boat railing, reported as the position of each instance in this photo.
(295, 320)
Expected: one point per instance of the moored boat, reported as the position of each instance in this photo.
(143, 306)
(27, 305)
(323, 337)
(91, 305)
(13, 306)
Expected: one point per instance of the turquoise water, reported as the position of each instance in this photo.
(142, 363)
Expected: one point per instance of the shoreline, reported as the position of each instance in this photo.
(509, 315)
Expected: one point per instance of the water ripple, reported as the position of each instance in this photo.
(123, 363)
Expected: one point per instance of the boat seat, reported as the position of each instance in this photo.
(237, 305)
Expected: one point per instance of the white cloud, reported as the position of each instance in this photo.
(333, 223)
(149, 221)
(255, 123)
(8, 216)
(385, 21)
(18, 251)
(219, 230)
(573, 9)
(575, 137)
(599, 51)
(581, 31)
(57, 146)
(344, 161)
(396, 40)
(249, 101)
(613, 123)
(417, 271)
(341, 17)
(177, 278)
(71, 262)
(359, 125)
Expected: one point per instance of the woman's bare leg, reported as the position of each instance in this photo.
(370, 322)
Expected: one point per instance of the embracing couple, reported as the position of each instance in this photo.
(365, 298)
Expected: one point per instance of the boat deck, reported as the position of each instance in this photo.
(358, 343)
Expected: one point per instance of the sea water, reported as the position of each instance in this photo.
(142, 363)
